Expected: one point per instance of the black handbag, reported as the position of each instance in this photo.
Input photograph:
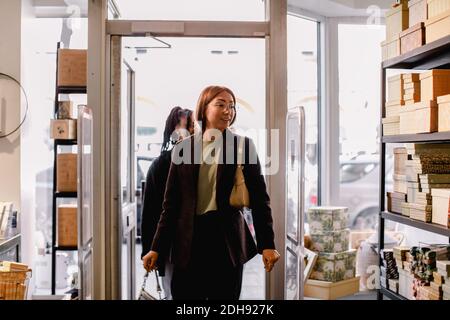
(144, 294)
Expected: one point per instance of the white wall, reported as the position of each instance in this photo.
(10, 13)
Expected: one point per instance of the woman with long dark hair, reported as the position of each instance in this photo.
(179, 124)
(206, 236)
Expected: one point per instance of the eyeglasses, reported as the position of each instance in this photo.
(231, 108)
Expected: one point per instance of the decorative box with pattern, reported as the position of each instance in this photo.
(335, 266)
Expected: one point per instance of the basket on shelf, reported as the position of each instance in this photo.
(14, 284)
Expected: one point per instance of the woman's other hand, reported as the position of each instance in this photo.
(270, 257)
(149, 261)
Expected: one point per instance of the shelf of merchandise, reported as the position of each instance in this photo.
(430, 227)
(435, 55)
(437, 137)
(60, 195)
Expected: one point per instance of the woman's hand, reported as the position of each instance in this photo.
(270, 257)
(149, 261)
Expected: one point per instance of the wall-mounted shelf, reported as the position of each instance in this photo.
(430, 227)
(71, 90)
(418, 138)
(66, 194)
(391, 295)
(434, 55)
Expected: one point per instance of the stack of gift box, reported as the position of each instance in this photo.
(397, 198)
(426, 168)
(330, 238)
(394, 104)
(442, 279)
(406, 277)
(417, 103)
(423, 272)
(400, 255)
(411, 88)
(389, 272)
(430, 271)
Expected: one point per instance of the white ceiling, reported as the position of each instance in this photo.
(342, 8)
(327, 8)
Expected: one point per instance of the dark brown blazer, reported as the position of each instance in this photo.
(175, 227)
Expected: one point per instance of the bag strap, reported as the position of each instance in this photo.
(158, 286)
(240, 158)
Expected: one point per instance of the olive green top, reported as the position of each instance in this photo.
(206, 190)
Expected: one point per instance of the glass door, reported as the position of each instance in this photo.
(122, 178)
(128, 186)
(85, 203)
(295, 181)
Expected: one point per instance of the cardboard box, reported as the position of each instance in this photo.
(65, 110)
(438, 278)
(411, 98)
(67, 226)
(357, 237)
(405, 285)
(323, 219)
(66, 172)
(393, 285)
(331, 290)
(72, 68)
(444, 113)
(400, 183)
(418, 11)
(390, 48)
(412, 86)
(437, 7)
(400, 158)
(411, 78)
(421, 117)
(437, 27)
(390, 129)
(335, 266)
(393, 110)
(434, 83)
(441, 200)
(412, 91)
(412, 38)
(397, 20)
(394, 90)
(444, 117)
(443, 99)
(63, 129)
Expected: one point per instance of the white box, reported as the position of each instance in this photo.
(441, 200)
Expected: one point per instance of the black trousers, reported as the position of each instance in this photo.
(210, 275)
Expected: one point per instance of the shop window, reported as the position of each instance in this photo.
(359, 99)
(303, 90)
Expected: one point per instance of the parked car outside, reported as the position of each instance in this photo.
(359, 189)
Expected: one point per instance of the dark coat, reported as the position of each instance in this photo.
(175, 228)
(155, 186)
